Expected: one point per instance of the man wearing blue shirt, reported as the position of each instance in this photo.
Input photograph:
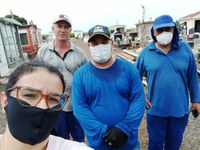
(171, 76)
(108, 96)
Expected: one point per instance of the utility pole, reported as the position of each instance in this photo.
(143, 26)
(11, 14)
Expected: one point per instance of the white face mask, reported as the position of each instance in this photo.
(101, 53)
(164, 38)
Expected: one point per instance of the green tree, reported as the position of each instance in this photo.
(129, 29)
(44, 37)
(22, 20)
(72, 35)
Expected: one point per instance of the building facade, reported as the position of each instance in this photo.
(192, 22)
(10, 46)
(31, 38)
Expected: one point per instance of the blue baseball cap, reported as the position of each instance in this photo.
(163, 21)
(99, 29)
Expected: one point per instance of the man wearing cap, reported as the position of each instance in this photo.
(108, 96)
(67, 57)
(171, 75)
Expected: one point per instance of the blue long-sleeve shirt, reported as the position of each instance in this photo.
(104, 98)
(171, 78)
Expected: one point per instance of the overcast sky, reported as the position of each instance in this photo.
(87, 13)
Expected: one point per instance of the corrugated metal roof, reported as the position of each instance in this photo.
(10, 20)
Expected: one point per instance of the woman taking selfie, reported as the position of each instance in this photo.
(32, 101)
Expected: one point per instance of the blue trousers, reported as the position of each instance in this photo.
(67, 124)
(165, 132)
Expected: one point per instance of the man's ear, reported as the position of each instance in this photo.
(70, 29)
(154, 33)
(52, 28)
(4, 101)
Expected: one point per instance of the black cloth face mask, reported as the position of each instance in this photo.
(30, 125)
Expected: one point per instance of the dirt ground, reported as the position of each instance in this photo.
(191, 139)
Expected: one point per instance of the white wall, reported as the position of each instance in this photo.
(78, 34)
(3, 63)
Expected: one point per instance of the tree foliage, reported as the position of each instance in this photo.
(44, 37)
(129, 29)
(22, 20)
(72, 35)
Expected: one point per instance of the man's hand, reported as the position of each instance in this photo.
(114, 137)
(148, 103)
(195, 108)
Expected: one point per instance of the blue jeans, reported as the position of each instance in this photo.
(67, 124)
(165, 132)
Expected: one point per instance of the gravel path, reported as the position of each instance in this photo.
(191, 139)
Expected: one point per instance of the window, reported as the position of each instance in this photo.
(24, 38)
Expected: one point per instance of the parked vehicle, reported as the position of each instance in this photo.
(194, 35)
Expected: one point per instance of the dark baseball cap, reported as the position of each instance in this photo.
(99, 29)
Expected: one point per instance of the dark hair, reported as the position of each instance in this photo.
(28, 68)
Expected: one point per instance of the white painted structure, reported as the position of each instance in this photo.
(144, 29)
(191, 21)
(10, 47)
(78, 34)
(3, 62)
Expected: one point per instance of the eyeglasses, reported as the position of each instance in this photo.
(30, 97)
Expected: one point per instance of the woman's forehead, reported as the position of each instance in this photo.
(40, 78)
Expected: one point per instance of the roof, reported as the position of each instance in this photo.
(117, 26)
(10, 20)
(191, 16)
(146, 22)
(29, 25)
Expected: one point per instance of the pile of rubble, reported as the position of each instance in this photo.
(131, 55)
